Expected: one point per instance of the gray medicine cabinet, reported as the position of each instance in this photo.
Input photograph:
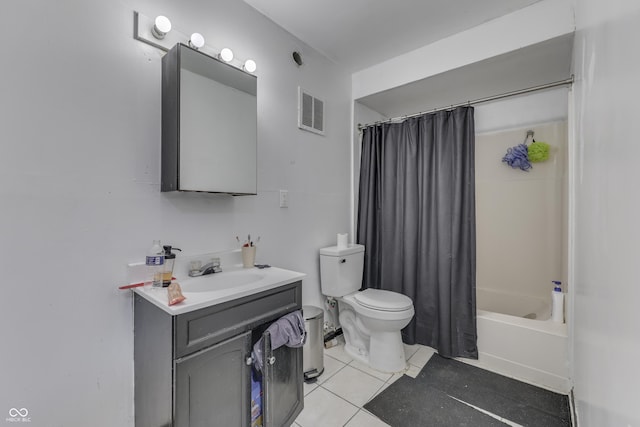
(194, 369)
(209, 124)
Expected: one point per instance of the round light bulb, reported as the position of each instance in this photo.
(226, 54)
(196, 41)
(250, 65)
(161, 27)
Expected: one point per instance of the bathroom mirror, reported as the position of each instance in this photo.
(209, 124)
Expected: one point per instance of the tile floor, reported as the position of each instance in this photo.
(337, 398)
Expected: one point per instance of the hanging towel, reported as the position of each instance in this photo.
(288, 330)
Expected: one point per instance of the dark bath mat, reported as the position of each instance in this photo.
(408, 403)
(508, 398)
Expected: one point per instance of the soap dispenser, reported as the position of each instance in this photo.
(169, 260)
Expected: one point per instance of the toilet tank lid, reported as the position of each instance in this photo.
(352, 248)
(383, 300)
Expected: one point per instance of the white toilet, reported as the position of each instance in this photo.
(371, 320)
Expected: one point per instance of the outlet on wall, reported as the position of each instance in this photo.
(284, 198)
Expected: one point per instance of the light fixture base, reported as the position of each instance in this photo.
(143, 27)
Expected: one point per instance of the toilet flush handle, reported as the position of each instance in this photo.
(343, 260)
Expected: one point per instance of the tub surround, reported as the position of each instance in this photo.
(522, 233)
(512, 304)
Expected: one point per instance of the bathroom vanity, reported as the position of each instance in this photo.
(193, 361)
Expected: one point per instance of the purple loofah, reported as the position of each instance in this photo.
(518, 157)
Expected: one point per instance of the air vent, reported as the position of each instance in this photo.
(310, 112)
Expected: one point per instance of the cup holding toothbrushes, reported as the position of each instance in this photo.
(248, 256)
(248, 252)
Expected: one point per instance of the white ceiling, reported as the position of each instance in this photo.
(360, 33)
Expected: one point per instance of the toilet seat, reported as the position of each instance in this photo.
(378, 299)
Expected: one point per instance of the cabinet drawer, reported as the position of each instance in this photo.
(201, 328)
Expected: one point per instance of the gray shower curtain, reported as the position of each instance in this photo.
(416, 218)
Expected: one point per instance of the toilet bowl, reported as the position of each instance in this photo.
(372, 319)
(372, 334)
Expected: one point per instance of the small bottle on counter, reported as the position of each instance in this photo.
(557, 298)
(155, 264)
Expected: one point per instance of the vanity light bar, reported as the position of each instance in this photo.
(160, 34)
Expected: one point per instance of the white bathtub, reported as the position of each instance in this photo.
(532, 348)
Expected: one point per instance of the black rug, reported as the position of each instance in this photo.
(434, 398)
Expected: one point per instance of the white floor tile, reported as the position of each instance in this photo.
(309, 387)
(353, 385)
(422, 356)
(366, 368)
(324, 409)
(383, 388)
(331, 366)
(409, 350)
(365, 419)
(393, 379)
(338, 352)
(413, 371)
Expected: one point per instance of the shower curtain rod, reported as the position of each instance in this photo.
(565, 82)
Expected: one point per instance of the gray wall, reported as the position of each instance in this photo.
(79, 169)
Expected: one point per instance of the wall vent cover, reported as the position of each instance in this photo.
(310, 112)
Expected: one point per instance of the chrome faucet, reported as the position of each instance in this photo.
(209, 268)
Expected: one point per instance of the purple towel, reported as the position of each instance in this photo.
(288, 330)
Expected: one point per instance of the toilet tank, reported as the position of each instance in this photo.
(341, 270)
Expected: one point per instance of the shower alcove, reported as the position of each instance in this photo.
(521, 217)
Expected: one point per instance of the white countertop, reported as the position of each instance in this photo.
(212, 289)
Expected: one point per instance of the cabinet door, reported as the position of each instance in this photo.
(212, 386)
(283, 373)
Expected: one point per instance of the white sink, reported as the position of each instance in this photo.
(220, 281)
(217, 288)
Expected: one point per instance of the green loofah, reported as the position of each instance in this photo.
(538, 152)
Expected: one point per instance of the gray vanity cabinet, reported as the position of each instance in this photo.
(194, 369)
(214, 384)
(283, 393)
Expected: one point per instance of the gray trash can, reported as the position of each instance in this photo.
(313, 349)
